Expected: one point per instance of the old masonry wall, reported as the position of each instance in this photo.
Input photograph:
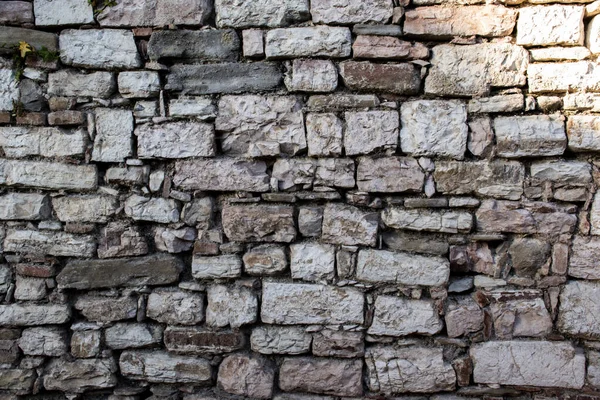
(294, 200)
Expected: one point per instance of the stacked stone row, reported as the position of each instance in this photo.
(299, 200)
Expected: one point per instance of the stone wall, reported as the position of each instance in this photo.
(299, 200)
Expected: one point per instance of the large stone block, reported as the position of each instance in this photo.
(583, 132)
(324, 134)
(317, 41)
(227, 174)
(31, 314)
(67, 12)
(369, 131)
(539, 135)
(348, 225)
(550, 25)
(79, 376)
(45, 142)
(175, 140)
(87, 208)
(563, 77)
(267, 13)
(203, 45)
(490, 65)
(389, 174)
(321, 375)
(351, 12)
(16, 12)
(579, 307)
(163, 367)
(397, 316)
(46, 175)
(113, 135)
(153, 209)
(542, 364)
(261, 223)
(427, 220)
(251, 376)
(17, 380)
(99, 48)
(74, 84)
(230, 306)
(49, 243)
(11, 36)
(175, 306)
(400, 78)
(24, 206)
(280, 340)
(401, 268)
(156, 13)
(290, 303)
(157, 269)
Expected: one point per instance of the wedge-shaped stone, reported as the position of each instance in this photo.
(550, 25)
(280, 340)
(247, 123)
(125, 335)
(321, 375)
(490, 65)
(369, 131)
(99, 48)
(157, 269)
(74, 84)
(427, 220)
(563, 77)
(402, 79)
(79, 376)
(227, 174)
(539, 135)
(203, 45)
(583, 132)
(175, 307)
(230, 306)
(351, 12)
(526, 217)
(402, 268)
(24, 206)
(46, 175)
(67, 12)
(446, 22)
(293, 303)
(542, 364)
(31, 315)
(261, 223)
(45, 142)
(50, 243)
(156, 13)
(224, 78)
(175, 140)
(217, 267)
(415, 369)
(164, 367)
(201, 341)
(88, 208)
(389, 174)
(579, 308)
(499, 179)
(267, 13)
(316, 41)
(397, 316)
(348, 225)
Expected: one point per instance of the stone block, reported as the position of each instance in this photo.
(316, 41)
(175, 140)
(251, 376)
(540, 135)
(230, 306)
(49, 243)
(348, 225)
(311, 76)
(370, 131)
(403, 78)
(260, 223)
(203, 45)
(550, 25)
(263, 13)
(280, 340)
(397, 316)
(79, 376)
(226, 174)
(163, 367)
(351, 12)
(67, 12)
(99, 48)
(446, 221)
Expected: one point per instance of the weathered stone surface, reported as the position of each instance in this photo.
(280, 340)
(312, 261)
(24, 206)
(87, 208)
(317, 41)
(175, 307)
(28, 288)
(463, 316)
(330, 343)
(156, 13)
(312, 76)
(261, 223)
(44, 341)
(427, 220)
(539, 135)
(138, 84)
(528, 255)
(230, 306)
(46, 142)
(224, 78)
(550, 25)
(519, 314)
(49, 243)
(79, 376)
(175, 140)
(158, 209)
(583, 256)
(341, 101)
(224, 266)
(495, 104)
(174, 240)
(593, 372)
(247, 121)
(528, 217)
(389, 174)
(499, 179)
(163, 367)
(434, 128)
(85, 344)
(16, 12)
(11, 36)
(335, 12)
(348, 225)
(118, 239)
(321, 375)
(397, 316)
(203, 45)
(583, 132)
(157, 269)
(415, 242)
(367, 45)
(72, 83)
(9, 89)
(253, 43)
(17, 380)
(561, 174)
(267, 13)
(401, 268)
(546, 364)
(46, 175)
(113, 135)
(490, 65)
(225, 174)
(310, 221)
(99, 48)
(563, 77)
(67, 12)
(393, 78)
(324, 134)
(408, 369)
(251, 376)
(293, 173)
(125, 335)
(575, 53)
(446, 22)
(200, 107)
(337, 172)
(579, 306)
(290, 303)
(265, 260)
(106, 309)
(369, 131)
(200, 341)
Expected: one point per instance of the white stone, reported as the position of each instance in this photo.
(41, 174)
(559, 53)
(49, 243)
(230, 306)
(253, 43)
(63, 12)
(579, 308)
(72, 83)
(113, 135)
(584, 251)
(583, 132)
(175, 307)
(311, 76)
(369, 131)
(312, 261)
(44, 341)
(138, 84)
(563, 77)
(31, 314)
(351, 12)
(550, 25)
(87, 208)
(165, 367)
(267, 13)
(389, 174)
(427, 220)
(521, 317)
(28, 288)
(397, 316)
(199, 107)
(494, 104)
(99, 48)
(24, 206)
(293, 172)
(593, 373)
(46, 142)
(78, 376)
(280, 340)
(540, 135)
(156, 13)
(317, 41)
(125, 335)
(160, 210)
(9, 89)
(217, 267)
(175, 140)
(226, 174)
(324, 134)
(434, 128)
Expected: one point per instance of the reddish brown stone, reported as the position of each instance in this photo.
(31, 119)
(61, 103)
(75, 227)
(206, 248)
(4, 118)
(250, 376)
(387, 47)
(67, 117)
(463, 368)
(394, 78)
(142, 32)
(36, 270)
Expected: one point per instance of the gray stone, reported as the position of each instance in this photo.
(67, 12)
(218, 267)
(389, 174)
(377, 30)
(348, 225)
(490, 65)
(316, 41)
(174, 240)
(199, 107)
(46, 142)
(156, 13)
(370, 131)
(72, 83)
(415, 242)
(584, 252)
(294, 173)
(203, 45)
(224, 78)
(280, 340)
(113, 135)
(400, 78)
(44, 341)
(20, 380)
(414, 369)
(336, 172)
(28, 288)
(202, 341)
(550, 25)
(260, 223)
(118, 239)
(157, 269)
(175, 140)
(312, 261)
(402, 268)
(545, 364)
(427, 220)
(312, 76)
(163, 367)
(49, 243)
(267, 13)
(175, 307)
(46, 175)
(563, 77)
(16, 12)
(583, 132)
(520, 314)
(99, 48)
(158, 209)
(230, 306)
(497, 104)
(593, 372)
(310, 221)
(86, 208)
(106, 309)
(352, 12)
(79, 376)
(528, 255)
(6, 277)
(481, 137)
(138, 84)
(227, 174)
(579, 306)
(341, 101)
(324, 134)
(540, 135)
(11, 36)
(253, 43)
(292, 303)
(124, 335)
(463, 316)
(32, 97)
(265, 260)
(9, 88)
(330, 343)
(434, 128)
(85, 344)
(24, 206)
(397, 316)
(244, 375)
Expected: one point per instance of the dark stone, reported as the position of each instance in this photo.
(195, 340)
(32, 95)
(415, 242)
(377, 30)
(206, 45)
(10, 38)
(392, 78)
(528, 255)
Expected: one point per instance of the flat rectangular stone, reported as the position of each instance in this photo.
(336, 172)
(280, 340)
(174, 306)
(427, 220)
(232, 306)
(163, 367)
(400, 78)
(16, 12)
(295, 303)
(398, 316)
(217, 267)
(401, 268)
(50, 243)
(351, 12)
(583, 255)
(11, 36)
(369, 131)
(498, 179)
(18, 380)
(539, 135)
(175, 140)
(410, 241)
(67, 12)
(387, 47)
(260, 223)
(226, 174)
(139, 84)
(344, 344)
(30, 314)
(340, 101)
(131, 335)
(24, 206)
(563, 77)
(113, 141)
(496, 104)
(261, 13)
(560, 53)
(312, 76)
(78, 376)
(389, 174)
(152, 209)
(200, 341)
(99, 48)
(200, 107)
(88, 208)
(156, 13)
(348, 225)
(561, 173)
(157, 269)
(317, 41)
(447, 22)
(324, 133)
(9, 90)
(528, 363)
(46, 142)
(75, 84)
(583, 132)
(106, 309)
(550, 25)
(579, 307)
(204, 45)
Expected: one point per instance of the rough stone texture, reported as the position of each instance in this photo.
(132, 335)
(230, 306)
(9, 89)
(156, 13)
(223, 174)
(46, 142)
(87, 208)
(312, 76)
(267, 13)
(68, 12)
(16, 12)
(349, 225)
(329, 343)
(41, 174)
(583, 132)
(175, 307)
(396, 316)
(312, 261)
(72, 83)
(389, 174)
(44, 341)
(562, 77)
(207, 45)
(138, 84)
(393, 78)
(118, 239)
(106, 309)
(49, 242)
(265, 223)
(370, 131)
(463, 316)
(265, 260)
(550, 25)
(280, 340)
(79, 376)
(163, 367)
(496, 104)
(218, 267)
(324, 134)
(520, 314)
(99, 48)
(247, 376)
(318, 41)
(427, 220)
(336, 12)
(368, 45)
(175, 140)
(578, 309)
(199, 341)
(24, 206)
(546, 364)
(530, 136)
